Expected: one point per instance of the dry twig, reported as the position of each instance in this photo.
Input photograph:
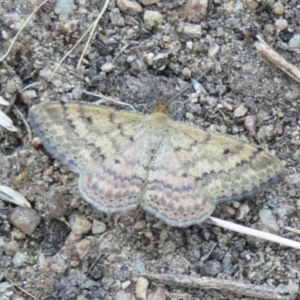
(21, 289)
(246, 289)
(21, 29)
(91, 29)
(253, 232)
(276, 58)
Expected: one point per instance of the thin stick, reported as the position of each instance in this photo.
(93, 30)
(250, 290)
(253, 232)
(18, 113)
(30, 86)
(21, 29)
(71, 50)
(295, 230)
(108, 99)
(276, 58)
(188, 86)
(20, 288)
(100, 254)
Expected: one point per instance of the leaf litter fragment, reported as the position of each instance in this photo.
(7, 122)
(10, 195)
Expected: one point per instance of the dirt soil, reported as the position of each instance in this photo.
(77, 252)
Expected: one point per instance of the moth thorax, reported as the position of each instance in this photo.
(161, 106)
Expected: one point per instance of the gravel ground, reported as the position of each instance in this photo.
(69, 250)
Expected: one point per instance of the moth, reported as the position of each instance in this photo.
(175, 171)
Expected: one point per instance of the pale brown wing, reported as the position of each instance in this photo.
(225, 168)
(81, 135)
(171, 192)
(117, 184)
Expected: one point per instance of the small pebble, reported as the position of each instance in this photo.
(294, 42)
(294, 179)
(207, 235)
(250, 123)
(223, 129)
(290, 288)
(139, 265)
(264, 115)
(187, 73)
(220, 32)
(116, 286)
(213, 268)
(160, 60)
(229, 211)
(152, 18)
(36, 142)
(63, 7)
(80, 225)
(17, 234)
(281, 24)
(197, 10)
(267, 218)
(265, 132)
(242, 212)
(240, 111)
(13, 85)
(293, 287)
(19, 259)
(98, 227)
(278, 8)
(125, 284)
(190, 30)
(227, 264)
(213, 51)
(189, 45)
(193, 98)
(57, 205)
(230, 7)
(83, 247)
(236, 204)
(226, 103)
(198, 87)
(141, 288)
(238, 6)
(283, 289)
(150, 58)
(116, 17)
(107, 67)
(43, 264)
(139, 225)
(10, 247)
(189, 116)
(28, 95)
(285, 210)
(25, 219)
(211, 101)
(49, 173)
(252, 5)
(129, 7)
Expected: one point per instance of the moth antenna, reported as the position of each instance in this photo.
(187, 86)
(154, 87)
(152, 84)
